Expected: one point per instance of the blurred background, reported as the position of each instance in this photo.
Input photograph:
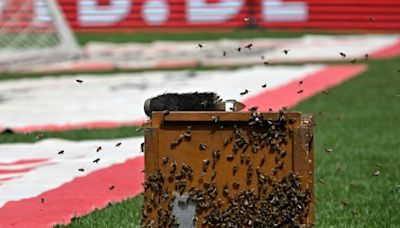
(74, 75)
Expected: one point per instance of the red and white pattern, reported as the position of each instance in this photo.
(32, 172)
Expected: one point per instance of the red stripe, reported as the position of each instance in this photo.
(8, 178)
(388, 52)
(314, 83)
(8, 171)
(24, 161)
(78, 197)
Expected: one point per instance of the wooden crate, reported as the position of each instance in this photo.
(193, 139)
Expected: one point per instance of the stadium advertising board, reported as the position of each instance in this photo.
(85, 15)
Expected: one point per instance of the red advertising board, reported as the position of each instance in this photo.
(94, 15)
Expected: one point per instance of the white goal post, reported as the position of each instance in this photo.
(33, 32)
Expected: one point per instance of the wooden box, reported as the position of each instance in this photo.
(228, 169)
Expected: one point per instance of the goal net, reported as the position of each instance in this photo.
(33, 32)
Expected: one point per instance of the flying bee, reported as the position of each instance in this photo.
(342, 54)
(248, 46)
(39, 136)
(224, 53)
(96, 160)
(328, 150)
(229, 157)
(321, 181)
(239, 49)
(264, 86)
(81, 170)
(79, 81)
(98, 149)
(200, 45)
(325, 91)
(285, 51)
(244, 92)
(42, 200)
(111, 187)
(61, 152)
(118, 144)
(366, 56)
(300, 91)
(266, 63)
(142, 147)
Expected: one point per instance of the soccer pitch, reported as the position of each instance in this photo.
(358, 120)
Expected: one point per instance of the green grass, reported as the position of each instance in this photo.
(146, 37)
(365, 137)
(76, 135)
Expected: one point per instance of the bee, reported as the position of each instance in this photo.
(165, 160)
(142, 147)
(205, 165)
(204, 103)
(248, 46)
(262, 161)
(285, 51)
(213, 174)
(216, 154)
(226, 141)
(165, 112)
(244, 92)
(342, 54)
(79, 81)
(111, 187)
(96, 160)
(325, 91)
(200, 45)
(118, 144)
(353, 61)
(39, 136)
(321, 181)
(173, 167)
(229, 157)
(203, 146)
(376, 173)
(224, 53)
(215, 119)
(42, 200)
(139, 129)
(98, 149)
(239, 49)
(266, 63)
(300, 91)
(61, 152)
(328, 150)
(81, 170)
(366, 56)
(264, 86)
(234, 170)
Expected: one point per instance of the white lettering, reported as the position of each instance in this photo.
(155, 12)
(92, 14)
(278, 11)
(199, 11)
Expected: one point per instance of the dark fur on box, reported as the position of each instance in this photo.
(182, 102)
